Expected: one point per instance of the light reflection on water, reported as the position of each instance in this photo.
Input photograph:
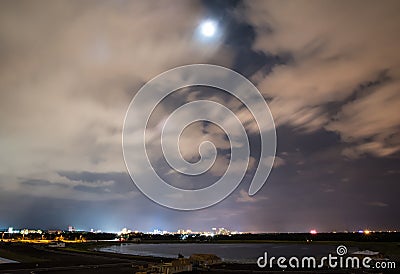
(6, 261)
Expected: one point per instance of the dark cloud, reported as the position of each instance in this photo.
(34, 182)
(92, 189)
(113, 182)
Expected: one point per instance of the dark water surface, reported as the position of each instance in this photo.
(228, 252)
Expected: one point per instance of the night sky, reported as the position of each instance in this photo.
(329, 70)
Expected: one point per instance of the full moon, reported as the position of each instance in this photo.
(208, 28)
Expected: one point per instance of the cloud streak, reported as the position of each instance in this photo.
(337, 50)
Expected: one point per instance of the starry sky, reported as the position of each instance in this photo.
(329, 70)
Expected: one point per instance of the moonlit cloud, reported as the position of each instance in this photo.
(378, 204)
(70, 70)
(244, 197)
(341, 53)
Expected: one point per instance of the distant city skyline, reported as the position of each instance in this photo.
(211, 232)
(160, 231)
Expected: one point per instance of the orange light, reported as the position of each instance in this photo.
(313, 231)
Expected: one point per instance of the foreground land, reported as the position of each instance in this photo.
(82, 258)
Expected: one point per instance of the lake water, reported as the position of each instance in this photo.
(6, 261)
(244, 253)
